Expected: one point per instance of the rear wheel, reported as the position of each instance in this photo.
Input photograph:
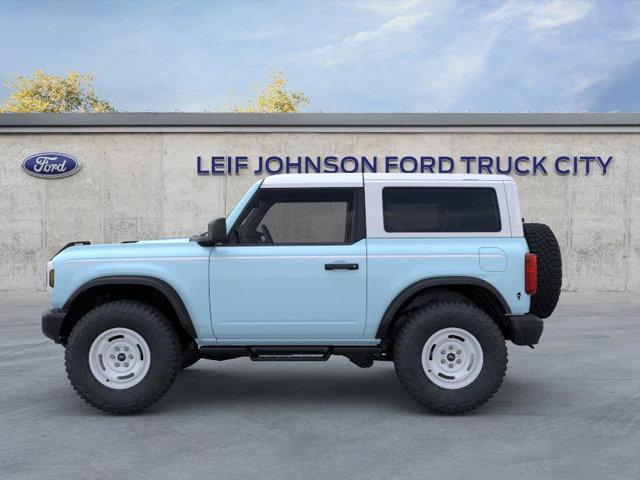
(450, 356)
(122, 356)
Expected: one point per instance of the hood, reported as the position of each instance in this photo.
(79, 250)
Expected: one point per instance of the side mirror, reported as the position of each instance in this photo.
(217, 231)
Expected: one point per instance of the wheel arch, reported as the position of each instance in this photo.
(136, 287)
(478, 291)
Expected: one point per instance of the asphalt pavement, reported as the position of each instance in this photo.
(570, 409)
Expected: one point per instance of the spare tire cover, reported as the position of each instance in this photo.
(544, 244)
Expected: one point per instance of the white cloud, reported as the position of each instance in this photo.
(398, 24)
(391, 37)
(519, 55)
(449, 75)
(539, 15)
(558, 12)
(506, 11)
(580, 61)
(386, 7)
(632, 13)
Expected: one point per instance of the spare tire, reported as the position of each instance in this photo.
(544, 244)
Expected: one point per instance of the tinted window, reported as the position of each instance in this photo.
(289, 216)
(440, 209)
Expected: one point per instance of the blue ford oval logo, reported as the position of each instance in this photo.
(51, 165)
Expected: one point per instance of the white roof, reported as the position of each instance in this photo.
(304, 180)
(439, 177)
(310, 180)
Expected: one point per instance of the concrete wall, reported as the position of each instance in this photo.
(144, 185)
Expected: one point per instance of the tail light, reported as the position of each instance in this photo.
(530, 273)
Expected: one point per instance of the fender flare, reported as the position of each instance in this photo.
(163, 287)
(423, 284)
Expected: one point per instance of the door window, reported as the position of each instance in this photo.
(298, 217)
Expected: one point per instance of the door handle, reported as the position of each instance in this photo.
(341, 266)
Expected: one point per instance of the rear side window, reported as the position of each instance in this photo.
(440, 209)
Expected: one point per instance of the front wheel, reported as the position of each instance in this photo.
(122, 356)
(450, 356)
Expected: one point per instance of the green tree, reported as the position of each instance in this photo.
(274, 98)
(42, 92)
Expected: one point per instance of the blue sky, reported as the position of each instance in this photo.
(360, 56)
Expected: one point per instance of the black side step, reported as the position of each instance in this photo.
(361, 356)
(289, 354)
(289, 358)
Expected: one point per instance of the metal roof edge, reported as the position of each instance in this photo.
(121, 119)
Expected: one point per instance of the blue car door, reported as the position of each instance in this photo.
(294, 269)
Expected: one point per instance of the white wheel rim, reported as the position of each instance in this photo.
(459, 365)
(119, 358)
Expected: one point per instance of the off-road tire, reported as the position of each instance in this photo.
(544, 244)
(154, 328)
(420, 325)
(190, 355)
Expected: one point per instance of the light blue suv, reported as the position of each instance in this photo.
(432, 272)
